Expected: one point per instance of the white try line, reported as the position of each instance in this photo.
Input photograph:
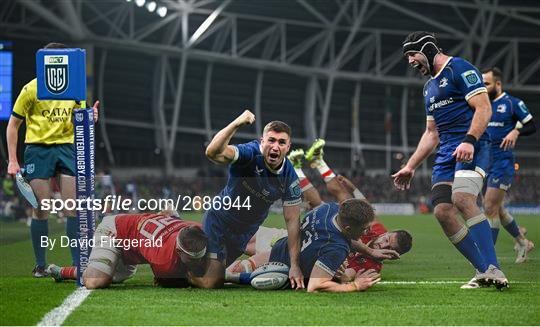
(58, 315)
(435, 282)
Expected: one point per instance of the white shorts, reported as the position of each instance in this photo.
(107, 258)
(266, 237)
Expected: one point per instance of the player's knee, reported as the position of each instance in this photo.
(93, 283)
(491, 208)
(463, 201)
(444, 212)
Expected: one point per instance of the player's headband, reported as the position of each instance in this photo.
(424, 43)
(192, 254)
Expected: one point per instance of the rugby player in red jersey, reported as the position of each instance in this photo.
(174, 248)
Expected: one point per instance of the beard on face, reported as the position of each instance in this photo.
(492, 94)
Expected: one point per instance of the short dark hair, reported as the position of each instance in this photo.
(356, 212)
(192, 239)
(278, 127)
(404, 241)
(55, 45)
(497, 73)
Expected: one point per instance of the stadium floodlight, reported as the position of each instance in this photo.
(128, 0)
(151, 6)
(162, 11)
(140, 3)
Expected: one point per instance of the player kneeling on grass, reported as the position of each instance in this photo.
(174, 248)
(326, 234)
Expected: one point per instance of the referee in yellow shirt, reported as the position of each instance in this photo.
(49, 153)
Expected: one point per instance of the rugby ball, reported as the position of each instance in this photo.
(270, 276)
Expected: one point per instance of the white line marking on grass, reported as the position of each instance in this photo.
(434, 282)
(58, 315)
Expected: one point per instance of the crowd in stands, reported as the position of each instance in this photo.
(377, 189)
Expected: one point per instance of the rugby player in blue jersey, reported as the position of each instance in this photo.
(327, 234)
(510, 119)
(260, 174)
(457, 114)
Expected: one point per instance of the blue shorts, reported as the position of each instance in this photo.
(280, 252)
(502, 170)
(446, 165)
(224, 242)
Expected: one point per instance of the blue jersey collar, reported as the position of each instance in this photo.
(499, 97)
(442, 68)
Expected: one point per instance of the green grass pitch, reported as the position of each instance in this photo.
(435, 299)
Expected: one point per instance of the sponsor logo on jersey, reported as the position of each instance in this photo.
(470, 78)
(425, 93)
(265, 192)
(258, 171)
(56, 73)
(443, 82)
(432, 99)
(501, 108)
(441, 103)
(496, 124)
(295, 189)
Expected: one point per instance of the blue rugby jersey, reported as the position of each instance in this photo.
(446, 95)
(507, 111)
(323, 243)
(249, 176)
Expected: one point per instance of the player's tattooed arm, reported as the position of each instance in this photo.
(292, 220)
(219, 151)
(428, 142)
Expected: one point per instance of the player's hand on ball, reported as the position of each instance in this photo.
(296, 277)
(464, 152)
(509, 141)
(246, 118)
(402, 179)
(364, 279)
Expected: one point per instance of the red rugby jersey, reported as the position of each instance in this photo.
(144, 228)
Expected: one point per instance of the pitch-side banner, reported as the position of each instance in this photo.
(83, 123)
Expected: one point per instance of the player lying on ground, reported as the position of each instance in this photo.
(260, 174)
(510, 118)
(457, 114)
(377, 236)
(179, 260)
(327, 232)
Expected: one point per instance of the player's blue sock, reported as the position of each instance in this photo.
(495, 224)
(481, 233)
(72, 229)
(245, 278)
(39, 228)
(509, 223)
(464, 242)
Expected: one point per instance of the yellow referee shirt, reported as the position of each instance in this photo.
(47, 121)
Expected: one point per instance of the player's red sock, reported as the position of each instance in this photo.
(325, 171)
(68, 272)
(305, 183)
